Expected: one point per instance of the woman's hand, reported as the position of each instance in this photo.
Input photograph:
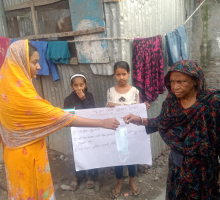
(81, 95)
(110, 104)
(110, 123)
(132, 119)
(84, 122)
(147, 105)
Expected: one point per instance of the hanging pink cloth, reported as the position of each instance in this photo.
(148, 72)
(4, 44)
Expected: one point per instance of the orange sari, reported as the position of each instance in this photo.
(25, 120)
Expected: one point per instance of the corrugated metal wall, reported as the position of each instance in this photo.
(140, 18)
(8, 3)
(128, 18)
(47, 18)
(1, 25)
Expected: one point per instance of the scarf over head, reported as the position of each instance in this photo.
(193, 131)
(24, 116)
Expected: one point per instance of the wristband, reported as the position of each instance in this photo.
(140, 122)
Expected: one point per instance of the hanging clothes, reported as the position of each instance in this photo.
(58, 52)
(44, 63)
(42, 50)
(148, 72)
(176, 45)
(4, 44)
(53, 71)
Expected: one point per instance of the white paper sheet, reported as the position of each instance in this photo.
(97, 147)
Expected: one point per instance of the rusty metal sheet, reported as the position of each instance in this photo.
(86, 15)
(20, 21)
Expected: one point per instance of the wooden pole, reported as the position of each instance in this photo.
(34, 17)
(4, 22)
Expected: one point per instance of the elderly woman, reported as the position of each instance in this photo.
(25, 120)
(189, 123)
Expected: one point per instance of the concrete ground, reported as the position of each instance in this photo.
(152, 181)
(162, 195)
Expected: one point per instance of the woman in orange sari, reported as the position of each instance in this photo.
(25, 120)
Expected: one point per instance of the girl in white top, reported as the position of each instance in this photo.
(120, 99)
(123, 94)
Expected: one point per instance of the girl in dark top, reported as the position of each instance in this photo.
(80, 98)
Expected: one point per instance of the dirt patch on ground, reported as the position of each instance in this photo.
(152, 180)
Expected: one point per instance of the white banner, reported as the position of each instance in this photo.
(98, 147)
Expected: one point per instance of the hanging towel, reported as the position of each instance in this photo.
(58, 52)
(176, 45)
(44, 63)
(148, 72)
(4, 44)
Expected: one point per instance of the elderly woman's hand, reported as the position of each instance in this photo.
(147, 105)
(132, 119)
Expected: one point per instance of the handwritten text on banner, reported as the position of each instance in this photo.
(97, 147)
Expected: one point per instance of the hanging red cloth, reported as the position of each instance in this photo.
(148, 72)
(4, 44)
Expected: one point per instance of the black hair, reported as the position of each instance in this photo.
(32, 49)
(72, 81)
(123, 65)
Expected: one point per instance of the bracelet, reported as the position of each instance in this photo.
(140, 122)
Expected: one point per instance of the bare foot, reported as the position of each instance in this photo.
(74, 184)
(90, 183)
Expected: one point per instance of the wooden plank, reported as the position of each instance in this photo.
(27, 4)
(65, 34)
(16, 26)
(74, 61)
(108, 1)
(34, 18)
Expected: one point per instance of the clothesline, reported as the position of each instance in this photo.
(115, 38)
(127, 38)
(194, 12)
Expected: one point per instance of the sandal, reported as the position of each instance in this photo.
(134, 192)
(90, 184)
(114, 196)
(74, 186)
